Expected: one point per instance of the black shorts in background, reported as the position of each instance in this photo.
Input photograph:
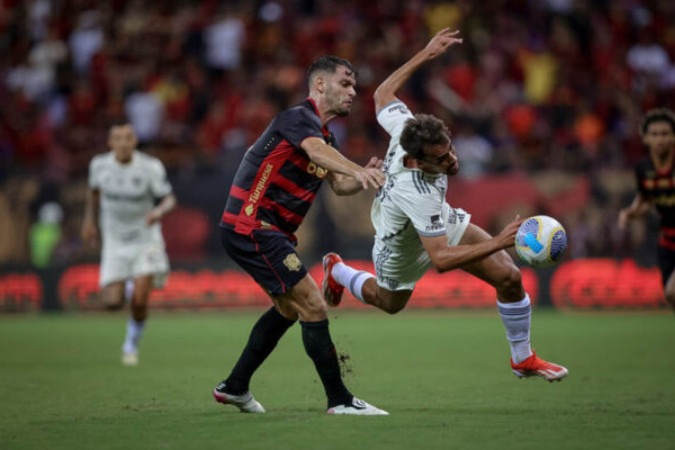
(268, 256)
(666, 260)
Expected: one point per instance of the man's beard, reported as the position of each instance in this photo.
(342, 112)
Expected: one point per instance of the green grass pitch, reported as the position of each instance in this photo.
(443, 376)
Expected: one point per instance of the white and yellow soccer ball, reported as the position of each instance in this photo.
(541, 241)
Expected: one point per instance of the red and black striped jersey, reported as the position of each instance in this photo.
(658, 187)
(276, 182)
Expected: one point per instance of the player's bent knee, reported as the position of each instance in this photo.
(510, 278)
(670, 297)
(393, 309)
(311, 311)
(392, 306)
(509, 285)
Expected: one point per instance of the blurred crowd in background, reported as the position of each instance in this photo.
(547, 93)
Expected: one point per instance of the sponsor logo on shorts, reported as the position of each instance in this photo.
(452, 217)
(393, 284)
(292, 262)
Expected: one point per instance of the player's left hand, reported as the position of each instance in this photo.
(153, 216)
(443, 40)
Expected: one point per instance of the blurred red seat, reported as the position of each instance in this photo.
(186, 232)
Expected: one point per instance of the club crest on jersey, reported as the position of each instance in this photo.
(292, 262)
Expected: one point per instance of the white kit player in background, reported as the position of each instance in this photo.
(416, 228)
(124, 188)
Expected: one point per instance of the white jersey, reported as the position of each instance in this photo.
(127, 194)
(411, 204)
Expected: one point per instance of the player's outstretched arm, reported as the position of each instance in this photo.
(346, 185)
(332, 160)
(386, 91)
(637, 208)
(445, 257)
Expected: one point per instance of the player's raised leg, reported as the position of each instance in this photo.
(515, 310)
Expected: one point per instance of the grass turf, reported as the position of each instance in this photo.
(443, 376)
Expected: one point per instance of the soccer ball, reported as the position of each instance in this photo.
(541, 241)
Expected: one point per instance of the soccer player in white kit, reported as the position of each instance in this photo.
(124, 186)
(416, 227)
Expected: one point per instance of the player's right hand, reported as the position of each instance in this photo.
(624, 218)
(508, 235)
(370, 176)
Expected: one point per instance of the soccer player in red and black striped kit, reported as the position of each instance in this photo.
(274, 187)
(656, 188)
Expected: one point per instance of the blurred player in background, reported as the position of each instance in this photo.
(124, 186)
(273, 189)
(416, 227)
(656, 189)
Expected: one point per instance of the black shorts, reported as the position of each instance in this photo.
(268, 256)
(666, 260)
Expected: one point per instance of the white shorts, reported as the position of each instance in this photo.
(123, 262)
(401, 270)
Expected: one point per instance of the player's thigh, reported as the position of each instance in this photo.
(112, 294)
(303, 301)
(270, 259)
(116, 265)
(150, 262)
(143, 285)
(498, 269)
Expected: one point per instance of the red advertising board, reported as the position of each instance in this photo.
(578, 284)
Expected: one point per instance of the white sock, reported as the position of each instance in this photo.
(134, 333)
(129, 290)
(351, 278)
(516, 319)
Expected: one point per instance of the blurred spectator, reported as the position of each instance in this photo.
(475, 152)
(85, 40)
(45, 233)
(556, 84)
(145, 112)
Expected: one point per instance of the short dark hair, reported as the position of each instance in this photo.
(421, 131)
(657, 115)
(118, 123)
(329, 63)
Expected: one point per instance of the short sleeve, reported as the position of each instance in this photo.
(159, 183)
(297, 124)
(393, 117)
(95, 169)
